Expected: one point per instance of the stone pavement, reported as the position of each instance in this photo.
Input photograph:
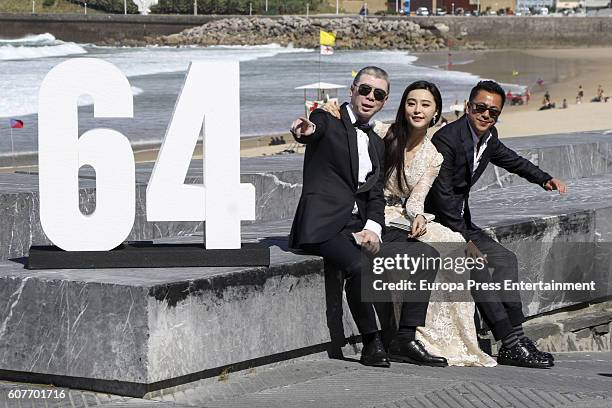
(579, 380)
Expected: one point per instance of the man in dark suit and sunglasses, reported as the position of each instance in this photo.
(468, 145)
(343, 194)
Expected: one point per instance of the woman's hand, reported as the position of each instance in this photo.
(419, 227)
(472, 251)
(333, 108)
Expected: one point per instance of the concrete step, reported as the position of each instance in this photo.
(277, 180)
(578, 380)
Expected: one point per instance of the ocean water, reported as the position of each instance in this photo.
(269, 75)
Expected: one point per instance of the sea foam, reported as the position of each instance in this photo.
(37, 46)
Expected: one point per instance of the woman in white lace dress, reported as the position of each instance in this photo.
(411, 165)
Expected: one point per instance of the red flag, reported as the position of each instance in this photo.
(16, 124)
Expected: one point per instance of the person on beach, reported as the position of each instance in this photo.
(412, 163)
(467, 146)
(546, 102)
(600, 93)
(527, 96)
(580, 94)
(342, 197)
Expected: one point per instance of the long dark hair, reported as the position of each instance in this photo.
(400, 132)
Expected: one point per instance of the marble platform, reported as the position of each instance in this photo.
(131, 331)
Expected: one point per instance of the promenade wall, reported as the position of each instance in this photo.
(493, 31)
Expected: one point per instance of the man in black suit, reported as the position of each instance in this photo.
(468, 145)
(343, 194)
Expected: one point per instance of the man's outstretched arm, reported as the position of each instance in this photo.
(307, 130)
(509, 160)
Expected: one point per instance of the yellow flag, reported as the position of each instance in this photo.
(353, 73)
(326, 38)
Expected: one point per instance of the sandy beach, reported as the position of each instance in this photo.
(561, 71)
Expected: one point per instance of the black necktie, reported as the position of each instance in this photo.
(480, 143)
(364, 127)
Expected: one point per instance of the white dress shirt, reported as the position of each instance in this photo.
(365, 167)
(478, 152)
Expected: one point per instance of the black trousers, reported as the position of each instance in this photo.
(413, 311)
(345, 254)
(500, 309)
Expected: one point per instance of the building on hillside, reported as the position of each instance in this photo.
(597, 4)
(568, 5)
(530, 4)
(432, 5)
(496, 5)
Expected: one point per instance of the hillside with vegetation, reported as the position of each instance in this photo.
(166, 6)
(238, 6)
(42, 6)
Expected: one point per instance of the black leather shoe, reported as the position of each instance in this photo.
(413, 352)
(374, 354)
(520, 356)
(533, 349)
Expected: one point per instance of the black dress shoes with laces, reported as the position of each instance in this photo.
(533, 349)
(413, 352)
(374, 353)
(520, 356)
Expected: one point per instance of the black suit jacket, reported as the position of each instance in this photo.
(451, 189)
(330, 189)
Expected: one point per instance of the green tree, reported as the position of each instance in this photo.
(109, 6)
(235, 6)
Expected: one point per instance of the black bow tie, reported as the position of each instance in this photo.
(364, 127)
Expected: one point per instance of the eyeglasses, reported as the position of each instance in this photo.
(482, 108)
(364, 90)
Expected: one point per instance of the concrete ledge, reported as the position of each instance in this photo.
(587, 327)
(278, 184)
(131, 331)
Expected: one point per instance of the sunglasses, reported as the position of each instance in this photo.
(482, 108)
(364, 90)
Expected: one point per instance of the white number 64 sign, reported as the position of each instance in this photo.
(211, 91)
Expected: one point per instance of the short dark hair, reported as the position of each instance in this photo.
(376, 72)
(488, 86)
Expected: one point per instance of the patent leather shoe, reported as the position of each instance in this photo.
(413, 352)
(533, 349)
(520, 356)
